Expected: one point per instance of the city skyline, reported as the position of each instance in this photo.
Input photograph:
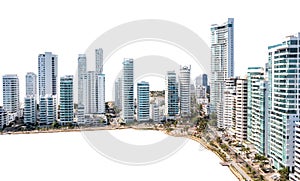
(269, 93)
(30, 28)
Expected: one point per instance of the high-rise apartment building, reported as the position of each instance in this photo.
(229, 104)
(47, 109)
(241, 109)
(154, 112)
(128, 91)
(31, 84)
(47, 65)
(235, 107)
(143, 101)
(66, 100)
(82, 81)
(30, 109)
(204, 80)
(294, 176)
(100, 93)
(91, 86)
(3, 117)
(222, 64)
(11, 95)
(257, 109)
(91, 107)
(185, 91)
(99, 60)
(171, 95)
(284, 98)
(118, 93)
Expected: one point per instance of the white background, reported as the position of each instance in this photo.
(67, 28)
(67, 156)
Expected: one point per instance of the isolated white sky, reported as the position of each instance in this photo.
(67, 28)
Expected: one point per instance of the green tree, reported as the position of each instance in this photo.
(55, 125)
(175, 123)
(284, 174)
(219, 140)
(213, 116)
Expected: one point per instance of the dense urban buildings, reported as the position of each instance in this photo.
(143, 101)
(222, 64)
(171, 95)
(66, 100)
(185, 91)
(128, 91)
(201, 80)
(11, 95)
(47, 68)
(91, 87)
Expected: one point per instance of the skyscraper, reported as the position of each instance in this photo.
(99, 60)
(128, 90)
(30, 107)
(118, 93)
(82, 81)
(229, 97)
(101, 93)
(257, 109)
(143, 102)
(284, 98)
(171, 95)
(11, 96)
(47, 63)
(91, 86)
(185, 91)
(241, 109)
(66, 99)
(91, 107)
(31, 83)
(222, 63)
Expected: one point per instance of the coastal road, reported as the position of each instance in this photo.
(241, 171)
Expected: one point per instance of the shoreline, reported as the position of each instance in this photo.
(199, 140)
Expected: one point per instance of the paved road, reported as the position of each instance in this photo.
(241, 171)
